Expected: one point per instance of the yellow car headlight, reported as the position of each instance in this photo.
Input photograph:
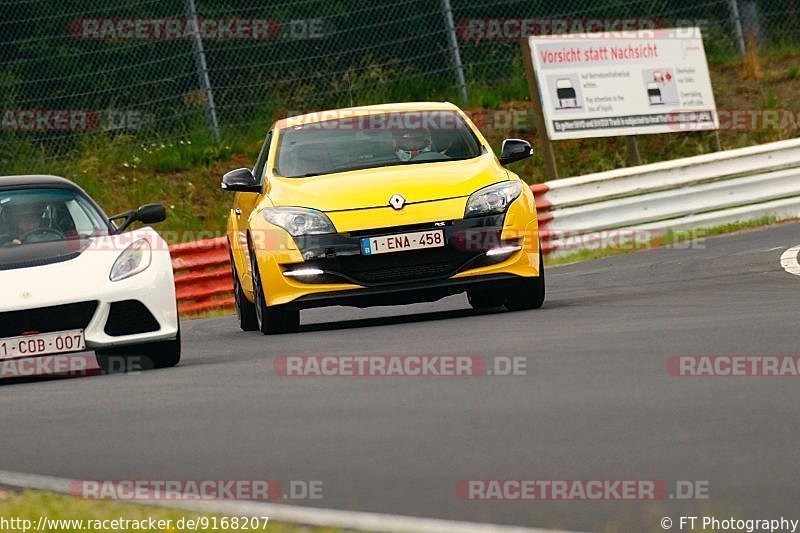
(493, 199)
(299, 220)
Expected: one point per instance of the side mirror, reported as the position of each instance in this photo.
(240, 180)
(514, 150)
(146, 214)
(151, 214)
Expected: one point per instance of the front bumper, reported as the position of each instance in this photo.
(402, 293)
(77, 294)
(350, 278)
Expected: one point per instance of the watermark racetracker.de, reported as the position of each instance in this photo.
(734, 366)
(492, 29)
(580, 489)
(219, 29)
(73, 120)
(412, 365)
(148, 490)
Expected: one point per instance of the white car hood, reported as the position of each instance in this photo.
(77, 278)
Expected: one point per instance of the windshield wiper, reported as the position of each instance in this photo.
(420, 161)
(308, 175)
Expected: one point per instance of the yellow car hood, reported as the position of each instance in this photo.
(359, 189)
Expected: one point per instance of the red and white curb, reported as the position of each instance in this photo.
(289, 514)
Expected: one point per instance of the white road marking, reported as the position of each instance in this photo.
(290, 514)
(789, 260)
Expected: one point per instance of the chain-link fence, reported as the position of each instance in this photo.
(92, 66)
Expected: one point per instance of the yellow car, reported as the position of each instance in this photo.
(380, 205)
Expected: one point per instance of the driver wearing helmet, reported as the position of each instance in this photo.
(24, 218)
(409, 144)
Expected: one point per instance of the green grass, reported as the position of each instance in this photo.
(29, 505)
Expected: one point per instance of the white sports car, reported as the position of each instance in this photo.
(72, 280)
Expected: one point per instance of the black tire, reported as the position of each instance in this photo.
(150, 356)
(486, 298)
(245, 309)
(528, 293)
(271, 319)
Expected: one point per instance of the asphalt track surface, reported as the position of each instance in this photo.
(597, 401)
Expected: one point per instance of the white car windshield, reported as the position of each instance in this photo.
(375, 140)
(29, 216)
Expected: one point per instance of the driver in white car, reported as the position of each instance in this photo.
(24, 218)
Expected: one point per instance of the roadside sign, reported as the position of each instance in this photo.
(654, 81)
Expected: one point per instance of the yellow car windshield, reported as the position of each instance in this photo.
(376, 140)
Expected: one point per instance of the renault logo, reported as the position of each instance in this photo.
(397, 201)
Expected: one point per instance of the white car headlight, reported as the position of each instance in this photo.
(493, 199)
(134, 259)
(299, 220)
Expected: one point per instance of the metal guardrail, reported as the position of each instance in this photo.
(694, 192)
(667, 175)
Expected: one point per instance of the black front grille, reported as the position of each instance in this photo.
(398, 267)
(340, 255)
(130, 317)
(47, 319)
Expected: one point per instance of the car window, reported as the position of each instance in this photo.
(387, 139)
(30, 216)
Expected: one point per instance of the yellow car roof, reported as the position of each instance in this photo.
(332, 114)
